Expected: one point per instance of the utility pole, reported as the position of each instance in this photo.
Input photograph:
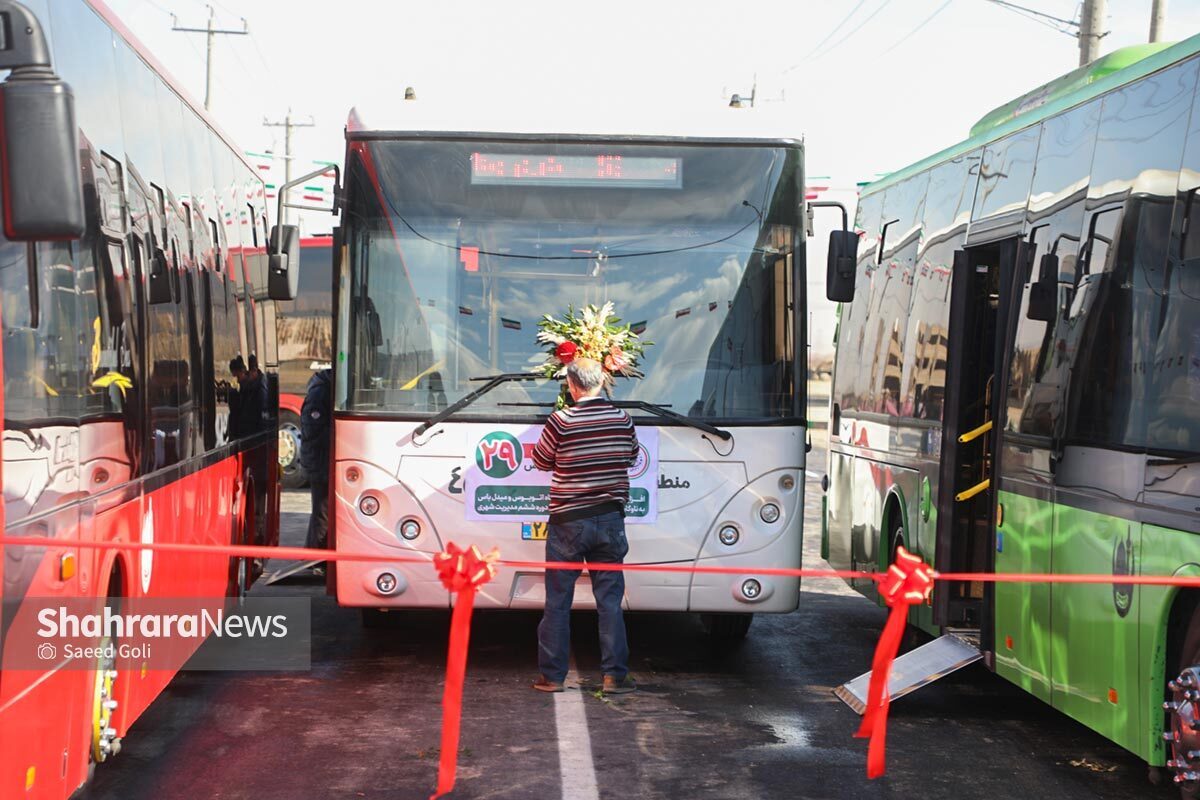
(1091, 29)
(288, 125)
(1158, 19)
(211, 32)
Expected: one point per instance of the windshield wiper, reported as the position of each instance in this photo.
(458, 405)
(658, 410)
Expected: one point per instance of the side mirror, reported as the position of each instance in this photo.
(160, 279)
(1043, 293)
(283, 263)
(839, 272)
(41, 183)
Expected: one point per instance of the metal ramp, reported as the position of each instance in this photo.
(916, 668)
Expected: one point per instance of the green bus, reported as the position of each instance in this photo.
(1017, 389)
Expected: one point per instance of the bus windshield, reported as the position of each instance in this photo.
(458, 248)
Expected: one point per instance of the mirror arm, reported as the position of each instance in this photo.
(35, 302)
(27, 54)
(833, 204)
(285, 188)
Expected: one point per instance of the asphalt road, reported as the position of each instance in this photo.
(755, 721)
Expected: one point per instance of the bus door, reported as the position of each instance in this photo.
(980, 302)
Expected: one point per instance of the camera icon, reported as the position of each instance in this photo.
(47, 651)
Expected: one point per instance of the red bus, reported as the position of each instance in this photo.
(305, 335)
(117, 389)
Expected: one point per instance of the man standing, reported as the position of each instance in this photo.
(589, 447)
(315, 421)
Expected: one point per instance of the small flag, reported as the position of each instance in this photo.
(638, 327)
(683, 312)
(511, 324)
(712, 306)
(466, 312)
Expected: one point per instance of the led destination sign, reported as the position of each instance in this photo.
(494, 169)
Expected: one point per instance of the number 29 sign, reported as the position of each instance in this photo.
(501, 483)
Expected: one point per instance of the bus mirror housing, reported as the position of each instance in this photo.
(839, 273)
(41, 183)
(1043, 293)
(283, 268)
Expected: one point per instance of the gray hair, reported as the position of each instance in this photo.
(586, 374)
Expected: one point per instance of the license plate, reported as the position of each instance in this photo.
(533, 531)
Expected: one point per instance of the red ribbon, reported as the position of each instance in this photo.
(907, 582)
(462, 572)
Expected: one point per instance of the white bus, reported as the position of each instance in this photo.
(453, 245)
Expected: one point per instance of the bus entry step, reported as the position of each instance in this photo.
(917, 668)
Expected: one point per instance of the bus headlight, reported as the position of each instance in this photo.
(787, 483)
(369, 505)
(751, 589)
(386, 583)
(729, 536)
(410, 529)
(769, 513)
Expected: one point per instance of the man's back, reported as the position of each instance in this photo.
(315, 420)
(589, 448)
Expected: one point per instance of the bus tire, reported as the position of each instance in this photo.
(913, 637)
(1184, 712)
(727, 627)
(104, 743)
(294, 476)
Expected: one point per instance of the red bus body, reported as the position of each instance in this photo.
(117, 423)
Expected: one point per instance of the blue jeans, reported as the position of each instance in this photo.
(600, 539)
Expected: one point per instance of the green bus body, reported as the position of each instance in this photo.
(1096, 409)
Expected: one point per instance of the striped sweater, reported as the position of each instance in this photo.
(589, 448)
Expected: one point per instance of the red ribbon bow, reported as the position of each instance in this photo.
(908, 581)
(462, 572)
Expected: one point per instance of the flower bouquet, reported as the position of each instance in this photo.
(594, 333)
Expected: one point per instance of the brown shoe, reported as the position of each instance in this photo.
(614, 686)
(544, 685)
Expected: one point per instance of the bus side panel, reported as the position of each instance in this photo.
(1164, 551)
(1022, 611)
(838, 511)
(1094, 637)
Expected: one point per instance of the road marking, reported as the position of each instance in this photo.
(576, 768)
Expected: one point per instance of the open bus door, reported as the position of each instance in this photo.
(981, 303)
(981, 310)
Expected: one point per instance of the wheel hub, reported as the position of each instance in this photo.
(1184, 733)
(289, 444)
(104, 736)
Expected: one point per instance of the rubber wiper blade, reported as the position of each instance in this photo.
(492, 381)
(666, 413)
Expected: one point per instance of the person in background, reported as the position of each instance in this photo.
(237, 368)
(589, 447)
(315, 421)
(254, 399)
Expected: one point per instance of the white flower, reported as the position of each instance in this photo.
(546, 337)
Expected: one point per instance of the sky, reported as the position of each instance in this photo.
(871, 85)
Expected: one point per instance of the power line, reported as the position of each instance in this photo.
(1049, 20)
(917, 29)
(856, 29)
(828, 36)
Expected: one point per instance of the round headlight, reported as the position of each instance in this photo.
(751, 588)
(729, 535)
(787, 483)
(353, 474)
(410, 529)
(386, 583)
(369, 505)
(769, 513)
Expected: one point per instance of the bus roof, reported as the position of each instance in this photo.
(1076, 87)
(144, 53)
(422, 117)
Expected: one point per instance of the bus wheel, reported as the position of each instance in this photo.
(236, 593)
(294, 476)
(727, 627)
(1183, 734)
(104, 741)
